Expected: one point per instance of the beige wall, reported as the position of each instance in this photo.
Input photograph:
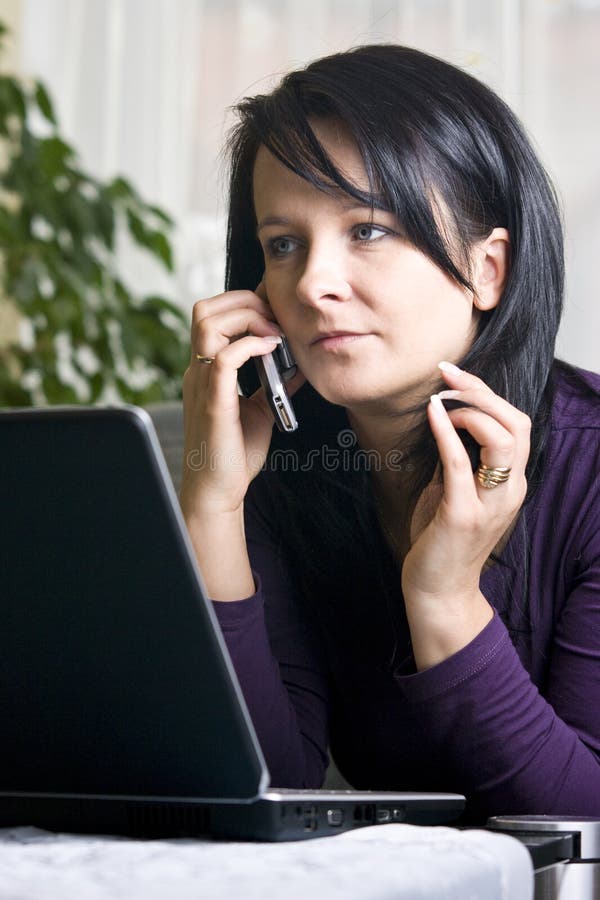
(10, 15)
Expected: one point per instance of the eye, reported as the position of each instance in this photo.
(368, 232)
(280, 246)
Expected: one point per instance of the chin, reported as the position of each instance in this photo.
(376, 399)
(347, 393)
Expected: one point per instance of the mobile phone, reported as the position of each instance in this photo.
(274, 369)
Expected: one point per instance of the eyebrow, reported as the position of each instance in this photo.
(348, 206)
(271, 220)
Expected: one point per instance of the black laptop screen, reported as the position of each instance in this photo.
(112, 678)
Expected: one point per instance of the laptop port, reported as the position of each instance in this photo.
(364, 813)
(310, 818)
(335, 817)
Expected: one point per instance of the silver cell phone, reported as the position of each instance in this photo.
(274, 369)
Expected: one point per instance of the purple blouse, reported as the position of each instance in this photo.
(512, 720)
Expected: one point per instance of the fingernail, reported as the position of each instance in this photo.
(273, 338)
(449, 395)
(450, 368)
(436, 402)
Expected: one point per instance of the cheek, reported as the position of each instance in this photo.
(282, 307)
(450, 326)
(430, 311)
(281, 290)
(444, 304)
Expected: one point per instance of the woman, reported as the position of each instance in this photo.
(411, 579)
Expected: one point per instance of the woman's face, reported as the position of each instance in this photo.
(368, 316)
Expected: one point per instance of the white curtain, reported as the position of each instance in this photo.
(142, 88)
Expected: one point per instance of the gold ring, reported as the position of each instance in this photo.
(207, 360)
(492, 476)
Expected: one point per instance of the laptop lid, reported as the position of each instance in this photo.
(114, 678)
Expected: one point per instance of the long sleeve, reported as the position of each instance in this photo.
(277, 664)
(513, 750)
(521, 723)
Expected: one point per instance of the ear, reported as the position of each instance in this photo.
(491, 260)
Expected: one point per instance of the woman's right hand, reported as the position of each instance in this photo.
(227, 436)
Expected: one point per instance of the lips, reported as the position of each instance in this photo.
(333, 334)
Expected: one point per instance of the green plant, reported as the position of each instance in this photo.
(84, 336)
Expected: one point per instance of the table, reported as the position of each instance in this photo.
(385, 862)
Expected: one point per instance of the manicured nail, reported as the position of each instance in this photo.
(450, 368)
(436, 403)
(449, 395)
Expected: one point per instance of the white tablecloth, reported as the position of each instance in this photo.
(377, 863)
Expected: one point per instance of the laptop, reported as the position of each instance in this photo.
(121, 710)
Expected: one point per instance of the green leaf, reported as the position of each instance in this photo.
(160, 214)
(160, 246)
(9, 226)
(80, 215)
(24, 284)
(13, 101)
(157, 305)
(135, 343)
(154, 241)
(136, 227)
(96, 383)
(120, 189)
(44, 103)
(105, 218)
(153, 393)
(12, 393)
(123, 297)
(54, 156)
(126, 392)
(63, 312)
(57, 392)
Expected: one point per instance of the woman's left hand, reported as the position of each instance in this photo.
(452, 541)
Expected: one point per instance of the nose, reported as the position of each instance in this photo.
(324, 277)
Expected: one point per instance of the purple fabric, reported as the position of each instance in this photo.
(512, 720)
